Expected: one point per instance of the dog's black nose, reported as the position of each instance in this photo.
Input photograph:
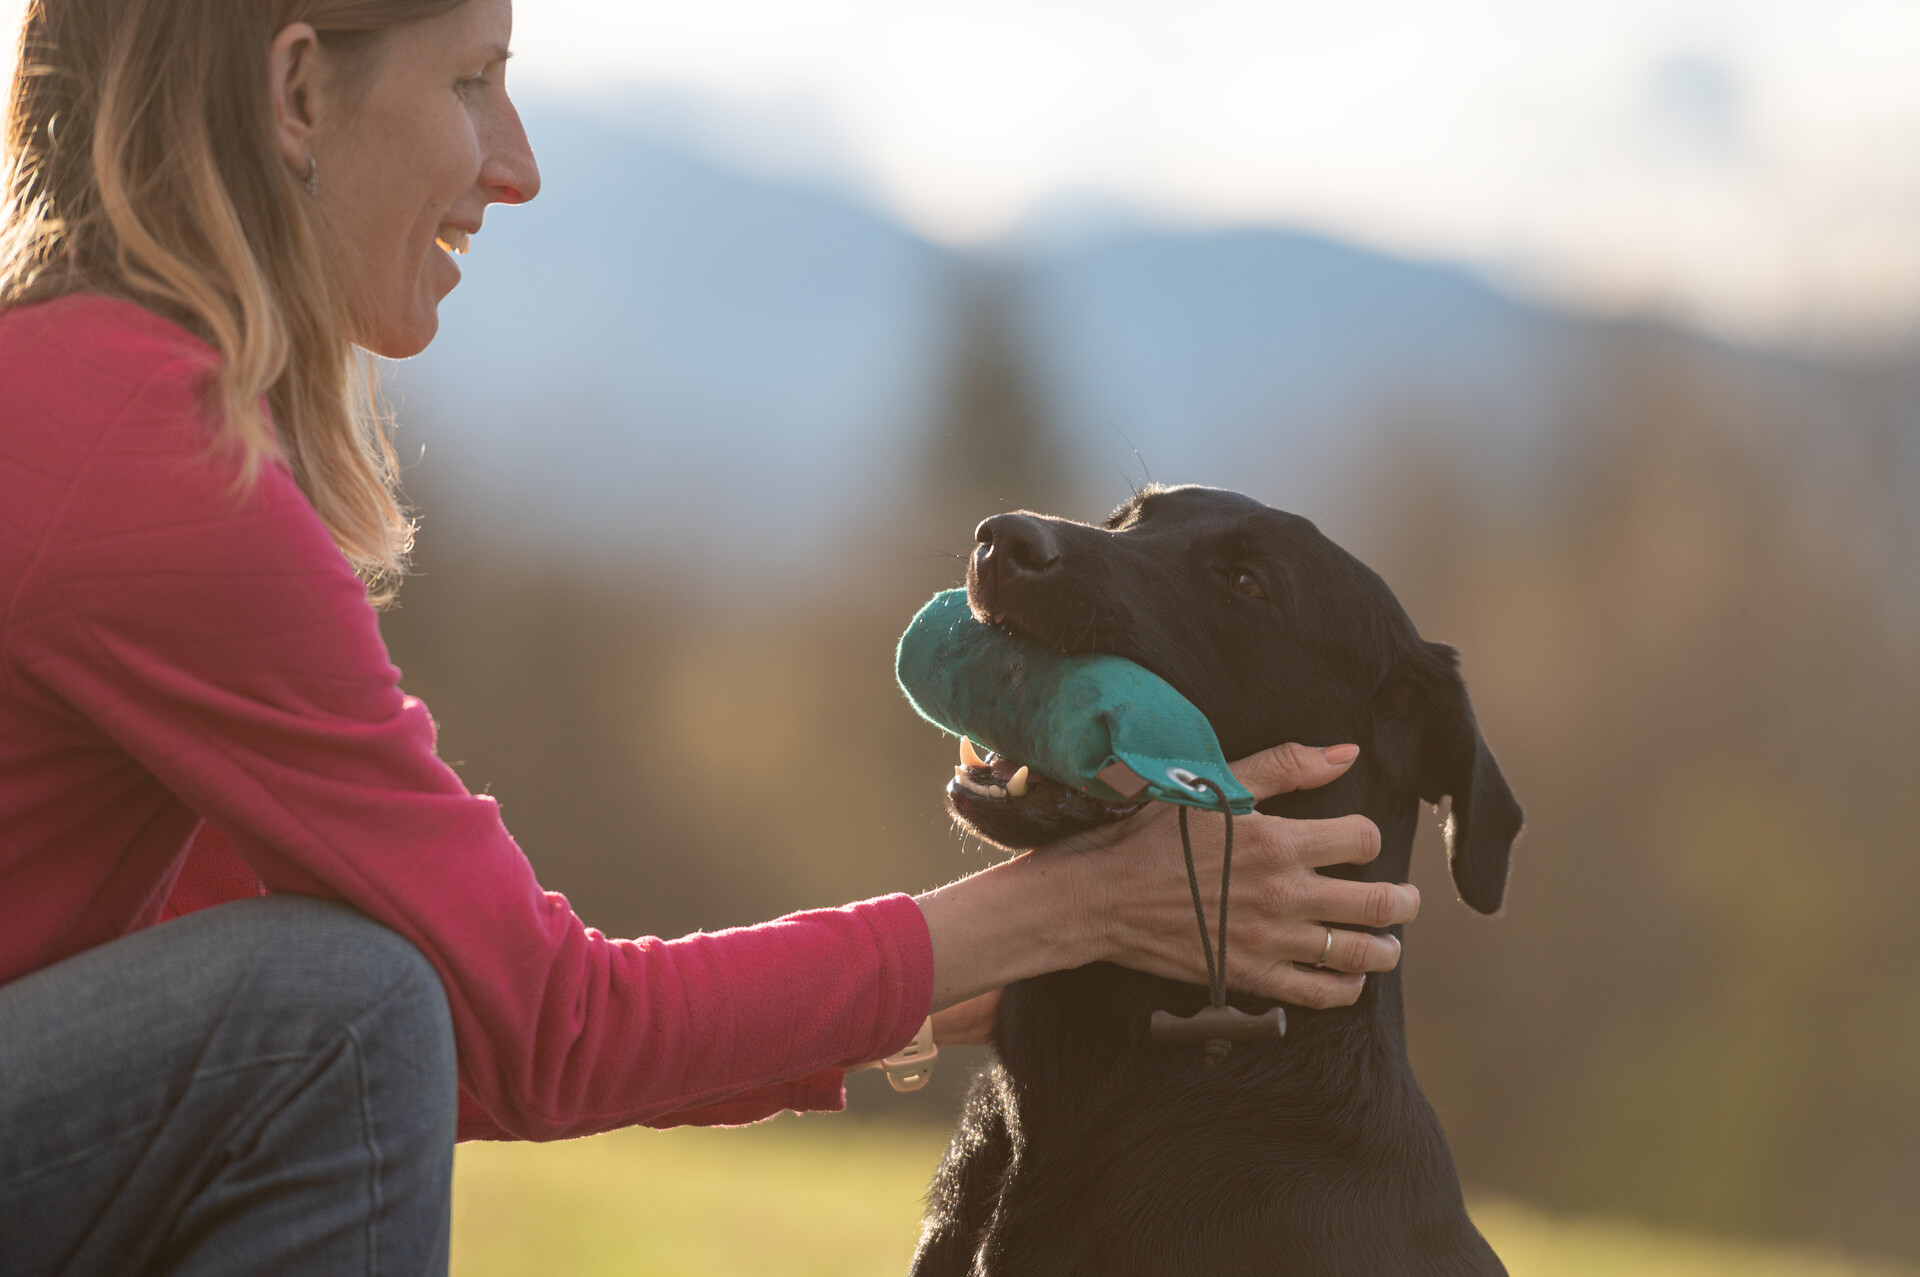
(1019, 542)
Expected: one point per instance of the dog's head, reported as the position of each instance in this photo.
(1272, 630)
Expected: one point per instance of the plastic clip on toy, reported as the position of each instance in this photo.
(1099, 724)
(913, 1066)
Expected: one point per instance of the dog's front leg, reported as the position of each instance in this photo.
(966, 1189)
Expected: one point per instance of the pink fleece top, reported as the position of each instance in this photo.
(171, 650)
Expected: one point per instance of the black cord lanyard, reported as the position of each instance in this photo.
(1216, 971)
(1218, 1025)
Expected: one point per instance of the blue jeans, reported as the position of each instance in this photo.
(264, 1087)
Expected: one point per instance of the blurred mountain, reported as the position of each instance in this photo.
(664, 356)
(657, 340)
(1261, 357)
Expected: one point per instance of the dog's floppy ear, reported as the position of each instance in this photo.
(1426, 736)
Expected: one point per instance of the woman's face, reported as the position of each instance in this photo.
(407, 154)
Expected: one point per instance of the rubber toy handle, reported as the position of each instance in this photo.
(1219, 1024)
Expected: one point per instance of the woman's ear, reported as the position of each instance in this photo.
(292, 74)
(1426, 736)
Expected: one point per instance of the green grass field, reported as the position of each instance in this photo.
(839, 1198)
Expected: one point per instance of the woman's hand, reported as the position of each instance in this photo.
(1120, 895)
(1140, 902)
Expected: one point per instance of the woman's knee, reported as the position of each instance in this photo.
(320, 968)
(358, 1136)
(376, 988)
(279, 1042)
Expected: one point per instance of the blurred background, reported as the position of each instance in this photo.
(1592, 326)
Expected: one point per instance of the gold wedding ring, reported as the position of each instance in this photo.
(1326, 952)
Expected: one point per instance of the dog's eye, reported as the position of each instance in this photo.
(1247, 585)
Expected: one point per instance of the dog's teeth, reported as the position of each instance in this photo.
(1017, 784)
(998, 791)
(972, 786)
(969, 755)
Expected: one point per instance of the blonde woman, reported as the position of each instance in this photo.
(210, 207)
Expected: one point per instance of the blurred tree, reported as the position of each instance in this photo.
(991, 444)
(1702, 692)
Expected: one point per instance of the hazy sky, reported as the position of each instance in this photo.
(1752, 165)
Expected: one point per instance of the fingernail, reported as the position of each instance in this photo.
(1340, 755)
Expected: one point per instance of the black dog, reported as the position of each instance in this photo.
(1092, 1149)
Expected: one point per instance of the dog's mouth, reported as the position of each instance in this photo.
(1011, 805)
(1006, 801)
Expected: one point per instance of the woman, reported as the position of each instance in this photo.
(209, 207)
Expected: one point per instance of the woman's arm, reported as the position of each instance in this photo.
(1124, 898)
(179, 648)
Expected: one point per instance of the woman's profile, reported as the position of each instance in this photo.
(210, 212)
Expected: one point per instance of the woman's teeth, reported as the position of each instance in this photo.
(453, 239)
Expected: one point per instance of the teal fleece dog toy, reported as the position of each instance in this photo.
(1099, 724)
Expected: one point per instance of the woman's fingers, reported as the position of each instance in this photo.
(1300, 986)
(1286, 967)
(1278, 869)
(1364, 904)
(1285, 768)
(1353, 952)
(1342, 840)
(1297, 942)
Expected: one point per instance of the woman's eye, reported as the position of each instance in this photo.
(468, 86)
(1247, 585)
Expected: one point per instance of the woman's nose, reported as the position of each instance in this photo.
(510, 174)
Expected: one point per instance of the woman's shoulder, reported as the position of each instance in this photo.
(109, 431)
(74, 352)
(88, 375)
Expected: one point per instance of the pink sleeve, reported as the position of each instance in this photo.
(225, 644)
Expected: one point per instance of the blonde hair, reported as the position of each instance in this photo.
(139, 160)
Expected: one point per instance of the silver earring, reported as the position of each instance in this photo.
(312, 180)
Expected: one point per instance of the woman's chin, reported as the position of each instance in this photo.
(398, 345)
(403, 336)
